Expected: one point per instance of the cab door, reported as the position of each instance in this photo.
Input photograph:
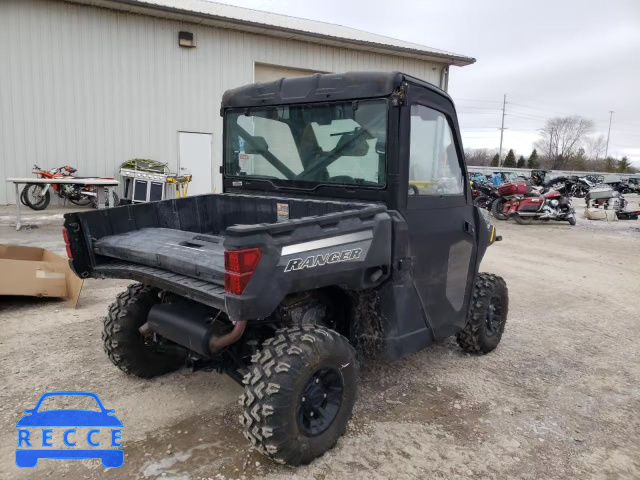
(440, 216)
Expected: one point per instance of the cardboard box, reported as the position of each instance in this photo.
(37, 272)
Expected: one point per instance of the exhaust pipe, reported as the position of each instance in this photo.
(218, 343)
(193, 326)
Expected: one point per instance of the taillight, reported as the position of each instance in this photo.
(67, 243)
(239, 266)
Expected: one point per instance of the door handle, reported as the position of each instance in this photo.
(469, 228)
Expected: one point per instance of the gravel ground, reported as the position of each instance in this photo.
(558, 399)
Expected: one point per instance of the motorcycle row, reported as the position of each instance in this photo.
(37, 196)
(529, 199)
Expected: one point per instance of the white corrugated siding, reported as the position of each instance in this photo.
(91, 87)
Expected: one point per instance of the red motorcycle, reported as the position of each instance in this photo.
(37, 196)
(525, 205)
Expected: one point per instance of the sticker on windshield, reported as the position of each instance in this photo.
(69, 433)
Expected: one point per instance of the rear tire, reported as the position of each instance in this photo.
(115, 199)
(80, 201)
(523, 220)
(299, 393)
(496, 209)
(487, 315)
(126, 346)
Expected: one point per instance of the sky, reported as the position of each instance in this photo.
(551, 58)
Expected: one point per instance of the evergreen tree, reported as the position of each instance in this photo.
(533, 161)
(623, 165)
(494, 161)
(510, 160)
(610, 164)
(580, 160)
(521, 162)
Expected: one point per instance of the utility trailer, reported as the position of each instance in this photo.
(318, 253)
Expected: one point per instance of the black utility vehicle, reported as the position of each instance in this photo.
(316, 255)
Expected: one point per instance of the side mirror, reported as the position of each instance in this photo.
(29, 410)
(256, 145)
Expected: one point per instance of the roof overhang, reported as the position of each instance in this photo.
(236, 18)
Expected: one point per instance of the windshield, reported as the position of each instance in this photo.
(306, 145)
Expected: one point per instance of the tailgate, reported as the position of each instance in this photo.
(195, 255)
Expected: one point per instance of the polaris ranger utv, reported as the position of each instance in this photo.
(317, 253)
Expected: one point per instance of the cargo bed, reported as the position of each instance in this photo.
(178, 245)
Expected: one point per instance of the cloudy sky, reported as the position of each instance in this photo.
(550, 57)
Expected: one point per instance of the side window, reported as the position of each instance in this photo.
(434, 168)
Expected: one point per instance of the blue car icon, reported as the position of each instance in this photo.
(28, 457)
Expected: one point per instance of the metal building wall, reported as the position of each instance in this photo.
(92, 87)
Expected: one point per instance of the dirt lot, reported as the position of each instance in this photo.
(558, 399)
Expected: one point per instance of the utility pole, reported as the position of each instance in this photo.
(504, 104)
(606, 151)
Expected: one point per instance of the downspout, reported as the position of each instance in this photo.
(444, 78)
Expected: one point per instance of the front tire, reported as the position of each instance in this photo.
(483, 201)
(33, 197)
(496, 209)
(523, 220)
(126, 347)
(487, 315)
(299, 393)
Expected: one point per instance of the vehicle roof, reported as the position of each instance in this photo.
(321, 87)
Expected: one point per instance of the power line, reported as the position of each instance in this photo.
(565, 113)
(463, 107)
(479, 113)
(476, 100)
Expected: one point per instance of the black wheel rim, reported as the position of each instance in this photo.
(493, 320)
(320, 401)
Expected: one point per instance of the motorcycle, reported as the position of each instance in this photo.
(485, 195)
(38, 196)
(580, 186)
(525, 205)
(609, 199)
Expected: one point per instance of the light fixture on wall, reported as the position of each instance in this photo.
(186, 39)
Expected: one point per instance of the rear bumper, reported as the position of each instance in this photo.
(200, 291)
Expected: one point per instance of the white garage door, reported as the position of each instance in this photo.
(269, 73)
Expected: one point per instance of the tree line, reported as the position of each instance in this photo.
(565, 143)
